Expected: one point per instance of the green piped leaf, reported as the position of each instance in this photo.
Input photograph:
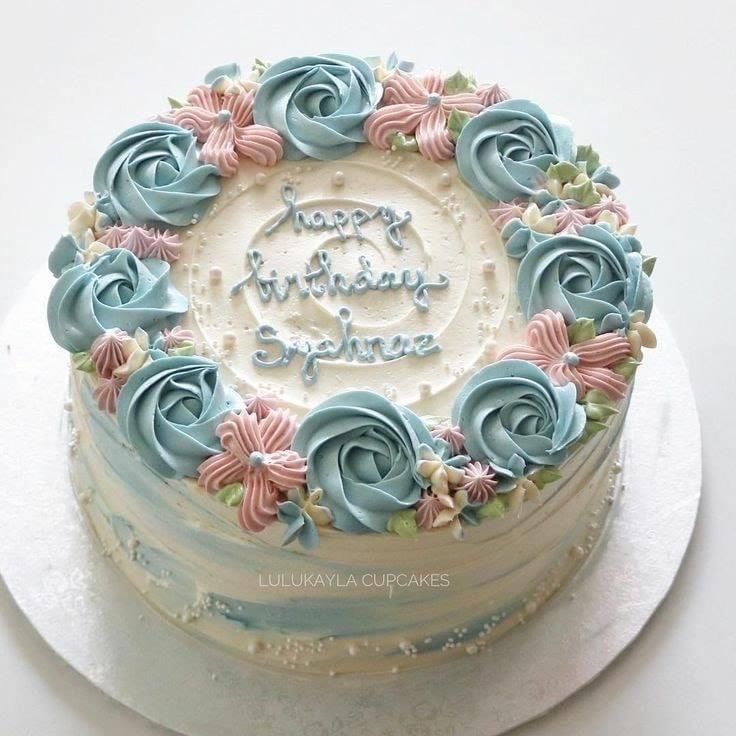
(544, 476)
(581, 330)
(647, 264)
(82, 362)
(598, 407)
(231, 495)
(401, 142)
(591, 428)
(493, 509)
(626, 368)
(596, 396)
(458, 83)
(456, 122)
(588, 156)
(403, 523)
(563, 171)
(584, 192)
(186, 348)
(175, 104)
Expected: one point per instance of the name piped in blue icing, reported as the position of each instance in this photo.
(347, 347)
(346, 224)
(319, 279)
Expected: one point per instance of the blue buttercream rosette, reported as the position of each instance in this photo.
(504, 151)
(317, 103)
(150, 174)
(116, 289)
(169, 411)
(513, 417)
(362, 451)
(590, 275)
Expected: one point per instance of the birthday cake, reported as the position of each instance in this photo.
(352, 348)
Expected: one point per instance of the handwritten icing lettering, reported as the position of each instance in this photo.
(318, 278)
(347, 346)
(345, 224)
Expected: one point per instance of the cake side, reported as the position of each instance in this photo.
(358, 604)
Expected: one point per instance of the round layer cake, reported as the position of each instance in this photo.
(352, 349)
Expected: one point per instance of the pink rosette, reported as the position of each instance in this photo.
(143, 242)
(107, 352)
(429, 507)
(260, 404)
(417, 106)
(503, 212)
(106, 393)
(255, 453)
(609, 203)
(571, 219)
(585, 364)
(175, 337)
(479, 481)
(452, 435)
(491, 94)
(223, 124)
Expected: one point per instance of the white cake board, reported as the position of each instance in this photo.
(90, 615)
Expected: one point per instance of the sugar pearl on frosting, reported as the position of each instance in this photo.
(445, 179)
(215, 275)
(490, 348)
(338, 178)
(260, 178)
(425, 389)
(489, 267)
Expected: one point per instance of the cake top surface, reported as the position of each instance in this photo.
(338, 292)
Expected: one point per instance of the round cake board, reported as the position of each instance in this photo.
(91, 616)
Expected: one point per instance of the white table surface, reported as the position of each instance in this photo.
(651, 84)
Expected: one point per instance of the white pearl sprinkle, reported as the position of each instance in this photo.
(338, 178)
(445, 180)
(215, 275)
(260, 178)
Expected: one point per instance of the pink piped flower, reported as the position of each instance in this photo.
(429, 506)
(479, 481)
(166, 246)
(609, 203)
(106, 393)
(585, 364)
(503, 212)
(492, 94)
(260, 404)
(452, 435)
(255, 453)
(570, 219)
(143, 242)
(418, 106)
(175, 337)
(108, 352)
(223, 124)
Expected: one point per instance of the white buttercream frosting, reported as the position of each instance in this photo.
(450, 233)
